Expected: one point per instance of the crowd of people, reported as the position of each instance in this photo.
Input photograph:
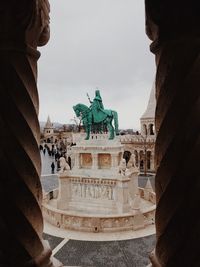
(55, 152)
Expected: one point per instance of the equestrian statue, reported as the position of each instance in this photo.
(95, 118)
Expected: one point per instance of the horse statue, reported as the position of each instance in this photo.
(97, 122)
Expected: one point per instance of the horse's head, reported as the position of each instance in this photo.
(79, 109)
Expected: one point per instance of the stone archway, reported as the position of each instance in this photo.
(127, 155)
(176, 45)
(151, 129)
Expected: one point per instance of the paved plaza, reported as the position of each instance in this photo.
(85, 253)
(125, 253)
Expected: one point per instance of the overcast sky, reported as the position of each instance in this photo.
(96, 44)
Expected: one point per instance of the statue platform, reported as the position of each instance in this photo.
(99, 193)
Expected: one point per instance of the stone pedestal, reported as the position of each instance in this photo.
(99, 194)
(94, 184)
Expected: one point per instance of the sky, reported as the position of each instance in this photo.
(96, 44)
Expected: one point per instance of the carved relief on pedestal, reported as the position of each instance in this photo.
(104, 161)
(106, 223)
(90, 189)
(86, 160)
(66, 220)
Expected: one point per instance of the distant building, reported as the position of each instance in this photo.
(143, 144)
(48, 129)
(147, 120)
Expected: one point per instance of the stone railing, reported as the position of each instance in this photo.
(100, 223)
(136, 139)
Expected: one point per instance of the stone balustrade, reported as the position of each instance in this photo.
(99, 223)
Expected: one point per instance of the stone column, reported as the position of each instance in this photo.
(24, 26)
(152, 161)
(76, 160)
(122, 195)
(138, 160)
(114, 160)
(175, 29)
(95, 161)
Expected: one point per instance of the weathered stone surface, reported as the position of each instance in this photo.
(174, 28)
(24, 27)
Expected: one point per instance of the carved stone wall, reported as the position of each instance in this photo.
(24, 26)
(92, 189)
(174, 28)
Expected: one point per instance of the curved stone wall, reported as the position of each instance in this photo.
(100, 223)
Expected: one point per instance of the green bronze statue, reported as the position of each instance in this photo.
(95, 118)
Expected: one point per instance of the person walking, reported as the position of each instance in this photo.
(52, 167)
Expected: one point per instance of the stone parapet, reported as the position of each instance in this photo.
(98, 223)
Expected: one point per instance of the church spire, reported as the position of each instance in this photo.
(150, 110)
(147, 120)
(48, 128)
(48, 123)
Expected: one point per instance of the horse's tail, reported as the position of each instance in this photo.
(115, 116)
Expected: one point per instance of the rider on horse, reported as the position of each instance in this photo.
(97, 108)
(95, 118)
